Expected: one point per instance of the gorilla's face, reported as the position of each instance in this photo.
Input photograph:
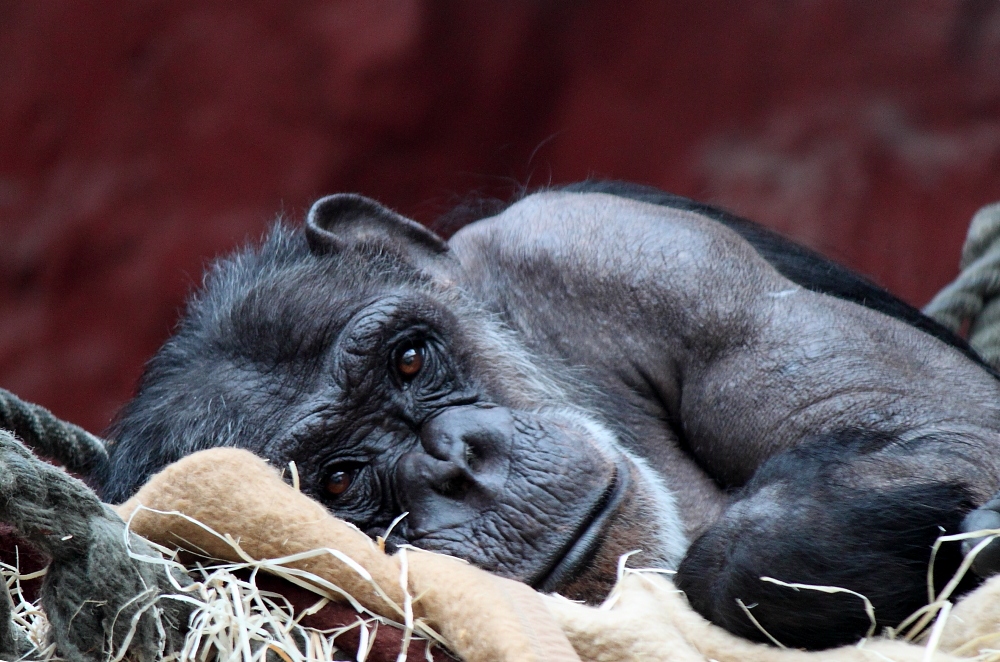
(415, 411)
(407, 418)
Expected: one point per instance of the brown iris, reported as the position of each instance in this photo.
(338, 482)
(410, 361)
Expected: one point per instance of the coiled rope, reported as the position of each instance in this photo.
(60, 441)
(974, 297)
(106, 591)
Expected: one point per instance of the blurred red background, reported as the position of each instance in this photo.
(140, 138)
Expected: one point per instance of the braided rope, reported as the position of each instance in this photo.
(65, 443)
(106, 590)
(975, 295)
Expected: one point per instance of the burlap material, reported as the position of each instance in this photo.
(483, 617)
(230, 491)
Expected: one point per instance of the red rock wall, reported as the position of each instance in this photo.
(139, 138)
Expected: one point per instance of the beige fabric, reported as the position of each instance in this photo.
(652, 622)
(974, 624)
(230, 491)
(483, 617)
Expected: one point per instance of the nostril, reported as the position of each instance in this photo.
(445, 478)
(474, 459)
(479, 447)
(453, 487)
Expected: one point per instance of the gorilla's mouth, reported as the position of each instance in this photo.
(579, 549)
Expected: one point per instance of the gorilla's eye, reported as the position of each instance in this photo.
(409, 360)
(340, 479)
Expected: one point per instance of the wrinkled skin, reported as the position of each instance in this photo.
(583, 375)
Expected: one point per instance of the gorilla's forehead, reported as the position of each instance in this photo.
(257, 334)
(272, 307)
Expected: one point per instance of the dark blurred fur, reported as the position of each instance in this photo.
(886, 558)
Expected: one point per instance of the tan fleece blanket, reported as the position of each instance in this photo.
(482, 617)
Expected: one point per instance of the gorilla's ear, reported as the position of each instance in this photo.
(338, 221)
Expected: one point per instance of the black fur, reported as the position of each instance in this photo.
(822, 519)
(254, 316)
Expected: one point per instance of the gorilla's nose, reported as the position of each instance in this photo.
(463, 465)
(472, 437)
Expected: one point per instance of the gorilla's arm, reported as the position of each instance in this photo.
(742, 363)
(865, 436)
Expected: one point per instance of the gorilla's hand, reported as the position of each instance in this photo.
(987, 561)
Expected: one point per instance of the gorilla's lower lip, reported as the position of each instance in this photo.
(581, 547)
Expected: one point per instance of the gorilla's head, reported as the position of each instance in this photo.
(352, 349)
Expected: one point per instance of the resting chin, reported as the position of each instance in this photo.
(635, 525)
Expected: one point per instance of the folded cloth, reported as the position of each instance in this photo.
(228, 504)
(229, 491)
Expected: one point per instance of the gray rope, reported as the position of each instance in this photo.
(974, 296)
(104, 590)
(14, 644)
(65, 443)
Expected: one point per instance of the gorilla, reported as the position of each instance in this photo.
(593, 370)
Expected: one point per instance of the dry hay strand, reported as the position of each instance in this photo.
(27, 617)
(926, 625)
(235, 621)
